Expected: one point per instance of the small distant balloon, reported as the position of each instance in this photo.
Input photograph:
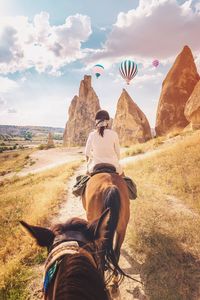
(155, 63)
(98, 70)
(128, 70)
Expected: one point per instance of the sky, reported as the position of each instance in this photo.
(46, 48)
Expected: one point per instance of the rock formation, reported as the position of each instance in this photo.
(192, 108)
(176, 90)
(130, 122)
(81, 113)
(50, 142)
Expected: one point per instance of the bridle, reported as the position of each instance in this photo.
(71, 243)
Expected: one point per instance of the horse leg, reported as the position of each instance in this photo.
(118, 243)
(114, 289)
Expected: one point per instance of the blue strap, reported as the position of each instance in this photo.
(49, 276)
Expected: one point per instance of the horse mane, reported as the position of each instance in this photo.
(79, 279)
(72, 224)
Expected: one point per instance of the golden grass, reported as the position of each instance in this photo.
(166, 220)
(154, 143)
(13, 161)
(34, 198)
(144, 147)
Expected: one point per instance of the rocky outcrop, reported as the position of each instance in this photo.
(130, 122)
(176, 90)
(192, 108)
(81, 113)
(50, 142)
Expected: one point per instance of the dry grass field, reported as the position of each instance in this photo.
(165, 224)
(14, 161)
(34, 198)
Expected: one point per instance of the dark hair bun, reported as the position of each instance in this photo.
(102, 115)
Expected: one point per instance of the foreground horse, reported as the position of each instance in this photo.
(74, 268)
(108, 190)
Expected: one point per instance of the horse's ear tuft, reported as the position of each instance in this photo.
(101, 230)
(43, 236)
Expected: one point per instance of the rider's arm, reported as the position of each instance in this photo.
(88, 147)
(117, 146)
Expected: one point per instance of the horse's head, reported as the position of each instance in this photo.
(77, 249)
(91, 238)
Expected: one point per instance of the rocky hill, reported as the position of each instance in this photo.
(192, 108)
(130, 122)
(176, 90)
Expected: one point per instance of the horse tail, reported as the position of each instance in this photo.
(112, 201)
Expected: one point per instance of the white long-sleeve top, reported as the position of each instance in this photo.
(104, 149)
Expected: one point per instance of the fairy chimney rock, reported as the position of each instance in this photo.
(192, 108)
(50, 142)
(81, 115)
(130, 122)
(176, 90)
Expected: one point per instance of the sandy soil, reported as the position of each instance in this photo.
(43, 160)
(48, 159)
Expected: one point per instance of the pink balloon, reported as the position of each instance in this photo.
(155, 63)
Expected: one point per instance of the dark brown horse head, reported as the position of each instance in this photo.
(89, 255)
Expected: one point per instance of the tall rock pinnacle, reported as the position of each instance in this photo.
(81, 113)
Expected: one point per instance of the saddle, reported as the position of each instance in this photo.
(81, 181)
(103, 168)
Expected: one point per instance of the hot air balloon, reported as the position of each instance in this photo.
(98, 70)
(128, 69)
(155, 63)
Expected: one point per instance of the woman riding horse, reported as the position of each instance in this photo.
(103, 144)
(106, 189)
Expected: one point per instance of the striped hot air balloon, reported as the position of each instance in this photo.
(155, 63)
(128, 69)
(98, 70)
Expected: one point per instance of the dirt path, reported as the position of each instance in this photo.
(43, 160)
(51, 158)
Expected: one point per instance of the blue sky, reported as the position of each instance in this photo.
(46, 47)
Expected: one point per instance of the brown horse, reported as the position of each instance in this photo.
(74, 268)
(108, 190)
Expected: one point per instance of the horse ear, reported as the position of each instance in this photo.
(101, 230)
(43, 236)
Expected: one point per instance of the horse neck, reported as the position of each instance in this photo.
(78, 279)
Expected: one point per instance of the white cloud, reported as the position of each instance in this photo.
(7, 85)
(154, 78)
(155, 29)
(12, 111)
(103, 28)
(197, 62)
(2, 101)
(38, 44)
(197, 6)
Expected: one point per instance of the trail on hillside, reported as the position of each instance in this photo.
(43, 160)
